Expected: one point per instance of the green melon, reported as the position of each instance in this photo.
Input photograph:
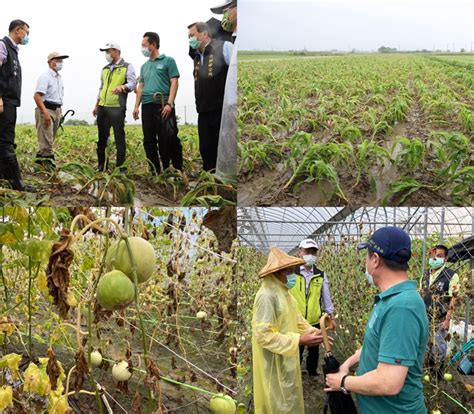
(115, 291)
(143, 253)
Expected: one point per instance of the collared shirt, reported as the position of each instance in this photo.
(227, 52)
(4, 51)
(453, 283)
(131, 77)
(325, 294)
(396, 334)
(156, 75)
(50, 85)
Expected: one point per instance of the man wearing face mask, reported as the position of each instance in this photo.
(390, 362)
(226, 166)
(48, 97)
(278, 330)
(439, 288)
(311, 291)
(210, 72)
(117, 80)
(10, 99)
(156, 92)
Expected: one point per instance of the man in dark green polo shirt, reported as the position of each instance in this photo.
(157, 89)
(391, 358)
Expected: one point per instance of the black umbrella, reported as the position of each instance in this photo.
(464, 250)
(337, 401)
(61, 121)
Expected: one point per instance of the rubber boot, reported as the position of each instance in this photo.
(11, 172)
(101, 165)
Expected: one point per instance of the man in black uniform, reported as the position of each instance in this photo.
(439, 289)
(210, 72)
(10, 95)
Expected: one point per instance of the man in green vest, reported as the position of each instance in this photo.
(117, 80)
(311, 292)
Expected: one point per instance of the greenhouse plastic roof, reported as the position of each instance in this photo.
(264, 228)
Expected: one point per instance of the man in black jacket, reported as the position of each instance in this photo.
(210, 72)
(439, 289)
(10, 95)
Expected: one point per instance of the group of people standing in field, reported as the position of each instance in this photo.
(156, 88)
(398, 342)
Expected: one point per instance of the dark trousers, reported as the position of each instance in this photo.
(7, 125)
(9, 168)
(111, 118)
(209, 124)
(312, 358)
(160, 138)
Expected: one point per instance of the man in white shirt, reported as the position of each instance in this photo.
(48, 97)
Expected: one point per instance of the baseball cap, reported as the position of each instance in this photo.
(391, 243)
(56, 55)
(309, 244)
(110, 45)
(223, 7)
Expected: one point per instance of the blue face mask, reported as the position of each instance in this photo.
(291, 281)
(435, 262)
(146, 52)
(194, 42)
(59, 66)
(370, 278)
(25, 40)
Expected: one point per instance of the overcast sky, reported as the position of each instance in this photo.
(80, 28)
(358, 24)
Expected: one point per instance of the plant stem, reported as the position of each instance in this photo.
(30, 354)
(140, 319)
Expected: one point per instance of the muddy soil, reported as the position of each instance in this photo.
(60, 193)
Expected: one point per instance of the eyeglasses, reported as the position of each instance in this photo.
(26, 30)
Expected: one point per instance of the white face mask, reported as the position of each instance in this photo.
(108, 58)
(309, 259)
(370, 278)
(59, 66)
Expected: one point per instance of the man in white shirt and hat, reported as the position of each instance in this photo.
(48, 97)
(311, 291)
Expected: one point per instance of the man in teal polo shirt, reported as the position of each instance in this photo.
(157, 89)
(391, 358)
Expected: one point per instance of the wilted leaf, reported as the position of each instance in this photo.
(52, 369)
(223, 223)
(58, 272)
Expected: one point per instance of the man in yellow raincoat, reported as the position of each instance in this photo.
(278, 330)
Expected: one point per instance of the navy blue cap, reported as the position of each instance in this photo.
(391, 243)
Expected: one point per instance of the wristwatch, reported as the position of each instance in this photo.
(343, 389)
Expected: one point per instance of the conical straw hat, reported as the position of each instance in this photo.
(277, 260)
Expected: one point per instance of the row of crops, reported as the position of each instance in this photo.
(76, 182)
(121, 310)
(379, 129)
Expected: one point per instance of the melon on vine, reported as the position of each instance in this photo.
(222, 404)
(115, 291)
(118, 258)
